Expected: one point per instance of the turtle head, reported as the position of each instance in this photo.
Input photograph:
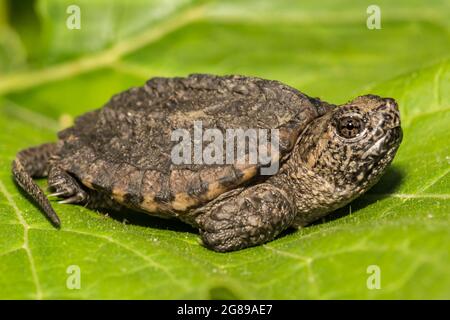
(352, 145)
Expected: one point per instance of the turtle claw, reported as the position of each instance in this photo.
(66, 201)
(56, 194)
(65, 186)
(54, 186)
(75, 199)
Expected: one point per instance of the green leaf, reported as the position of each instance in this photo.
(323, 49)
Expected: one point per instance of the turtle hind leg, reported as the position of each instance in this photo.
(65, 186)
(34, 162)
(254, 216)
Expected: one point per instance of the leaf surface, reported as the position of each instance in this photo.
(323, 49)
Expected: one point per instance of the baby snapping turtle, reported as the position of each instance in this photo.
(121, 156)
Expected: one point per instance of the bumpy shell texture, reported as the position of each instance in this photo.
(124, 149)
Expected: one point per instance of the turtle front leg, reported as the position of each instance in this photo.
(65, 186)
(254, 216)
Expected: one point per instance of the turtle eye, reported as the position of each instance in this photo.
(349, 127)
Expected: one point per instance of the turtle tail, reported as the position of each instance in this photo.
(34, 162)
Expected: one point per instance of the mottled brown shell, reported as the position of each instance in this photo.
(124, 148)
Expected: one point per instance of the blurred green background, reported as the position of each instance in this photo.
(49, 74)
